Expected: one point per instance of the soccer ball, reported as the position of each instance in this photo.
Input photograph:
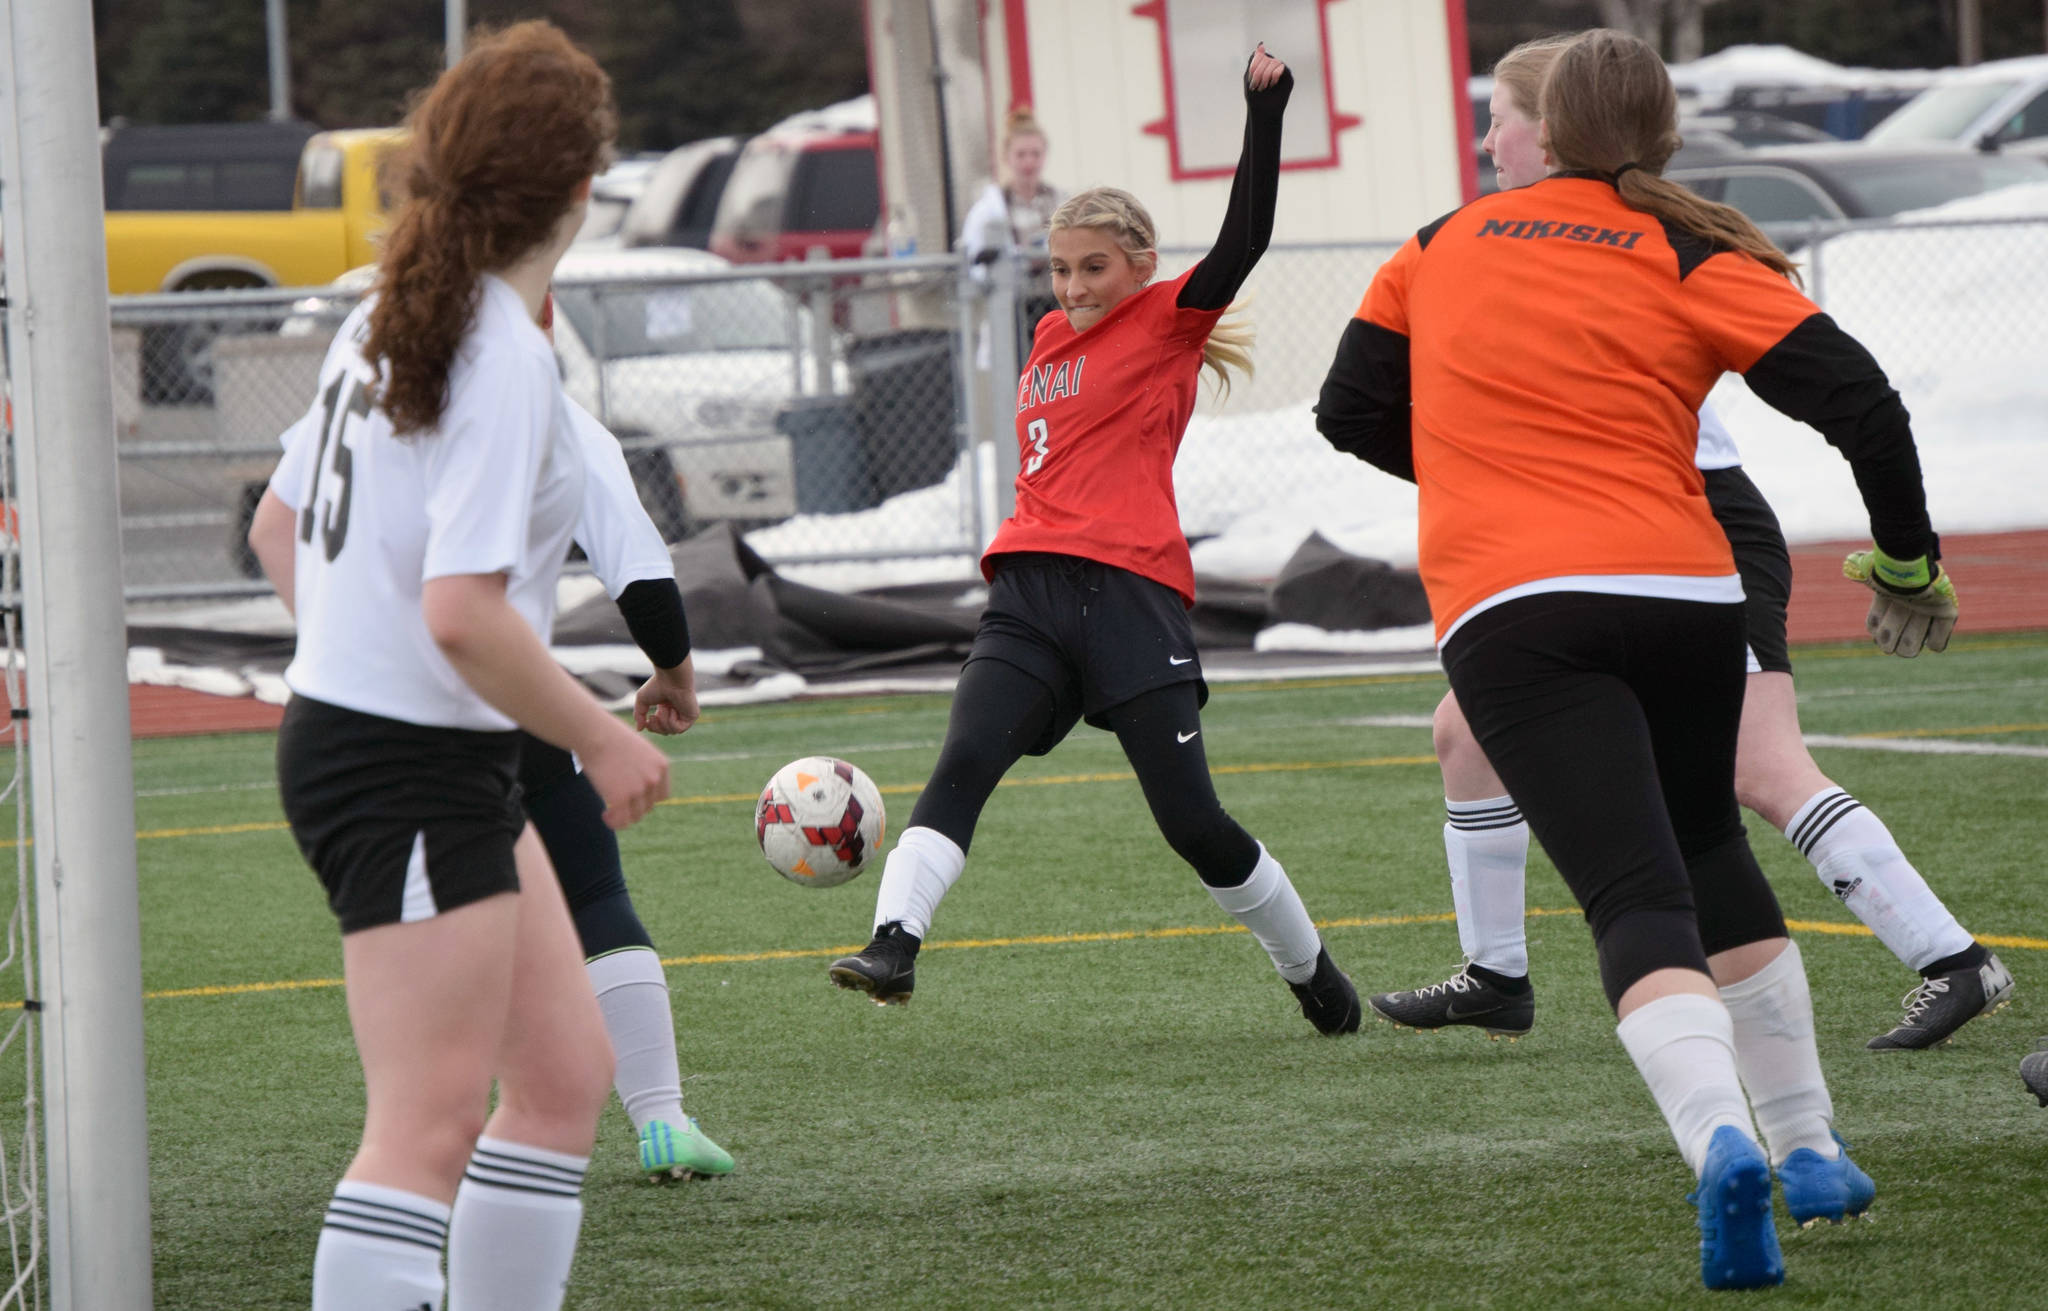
(820, 821)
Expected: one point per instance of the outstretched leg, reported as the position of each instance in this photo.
(1161, 734)
(1858, 860)
(999, 713)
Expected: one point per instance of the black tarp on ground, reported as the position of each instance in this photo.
(735, 599)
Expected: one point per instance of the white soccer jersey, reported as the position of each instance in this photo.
(620, 541)
(1717, 444)
(496, 489)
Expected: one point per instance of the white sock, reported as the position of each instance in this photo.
(1684, 1045)
(923, 866)
(632, 992)
(1776, 1056)
(1487, 845)
(380, 1247)
(514, 1229)
(1267, 904)
(1857, 860)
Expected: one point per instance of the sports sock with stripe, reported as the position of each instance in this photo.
(1775, 1054)
(1486, 844)
(1267, 904)
(513, 1232)
(921, 869)
(1858, 861)
(632, 991)
(379, 1247)
(1684, 1046)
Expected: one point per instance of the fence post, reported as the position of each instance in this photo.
(1002, 379)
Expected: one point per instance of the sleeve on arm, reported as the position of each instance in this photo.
(1822, 376)
(484, 463)
(288, 479)
(1248, 219)
(1364, 409)
(653, 611)
(612, 526)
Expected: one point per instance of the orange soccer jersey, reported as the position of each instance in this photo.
(1557, 345)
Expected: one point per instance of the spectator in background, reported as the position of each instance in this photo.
(1012, 216)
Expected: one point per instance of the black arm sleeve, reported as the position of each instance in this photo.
(653, 611)
(1363, 409)
(1248, 220)
(1822, 376)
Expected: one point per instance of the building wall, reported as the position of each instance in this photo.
(1097, 78)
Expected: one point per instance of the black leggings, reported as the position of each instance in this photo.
(999, 712)
(1612, 720)
(568, 815)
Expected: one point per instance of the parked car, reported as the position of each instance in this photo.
(680, 199)
(211, 207)
(612, 193)
(693, 372)
(796, 189)
(1985, 105)
(1784, 189)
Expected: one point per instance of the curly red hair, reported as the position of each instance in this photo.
(496, 149)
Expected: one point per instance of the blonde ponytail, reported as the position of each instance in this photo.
(1118, 212)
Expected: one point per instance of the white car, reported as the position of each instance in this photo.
(697, 369)
(1985, 105)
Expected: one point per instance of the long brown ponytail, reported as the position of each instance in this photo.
(1608, 101)
(495, 151)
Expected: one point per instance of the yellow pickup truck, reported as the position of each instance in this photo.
(212, 206)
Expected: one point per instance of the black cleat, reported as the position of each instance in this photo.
(1328, 999)
(1945, 1003)
(2034, 1069)
(1464, 998)
(885, 969)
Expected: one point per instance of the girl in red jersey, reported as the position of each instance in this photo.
(1090, 580)
(1534, 362)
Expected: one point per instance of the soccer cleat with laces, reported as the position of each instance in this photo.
(2034, 1070)
(669, 1151)
(1464, 998)
(885, 969)
(1738, 1241)
(1818, 1189)
(1328, 999)
(1945, 1003)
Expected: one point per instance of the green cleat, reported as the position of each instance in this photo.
(671, 1152)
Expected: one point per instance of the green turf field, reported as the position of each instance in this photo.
(1103, 1095)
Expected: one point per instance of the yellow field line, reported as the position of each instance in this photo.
(1056, 940)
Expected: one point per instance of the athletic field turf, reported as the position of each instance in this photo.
(1102, 1094)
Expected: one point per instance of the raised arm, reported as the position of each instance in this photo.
(1248, 220)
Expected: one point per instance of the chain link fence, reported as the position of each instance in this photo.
(840, 413)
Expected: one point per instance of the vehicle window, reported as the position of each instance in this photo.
(618, 321)
(1940, 113)
(163, 186)
(1887, 188)
(255, 184)
(2029, 123)
(753, 194)
(700, 203)
(834, 191)
(1775, 197)
(320, 178)
(1707, 186)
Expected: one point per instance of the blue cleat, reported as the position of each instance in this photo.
(1818, 1189)
(1738, 1241)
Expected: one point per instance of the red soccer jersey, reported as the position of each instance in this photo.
(1100, 416)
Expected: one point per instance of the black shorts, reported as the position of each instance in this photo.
(542, 764)
(1094, 634)
(1761, 559)
(401, 821)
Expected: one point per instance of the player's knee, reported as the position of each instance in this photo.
(1221, 853)
(570, 1087)
(1466, 770)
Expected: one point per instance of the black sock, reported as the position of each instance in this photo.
(1968, 958)
(1514, 985)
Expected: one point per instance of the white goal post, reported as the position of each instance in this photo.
(81, 776)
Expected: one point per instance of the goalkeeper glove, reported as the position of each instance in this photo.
(1913, 603)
